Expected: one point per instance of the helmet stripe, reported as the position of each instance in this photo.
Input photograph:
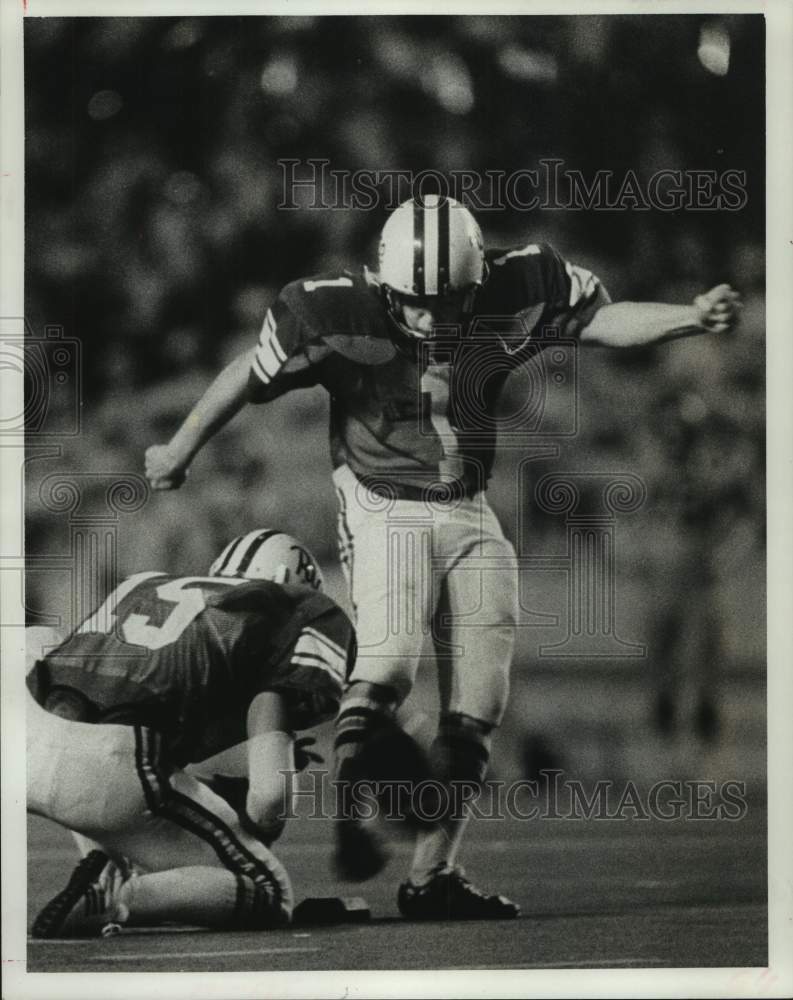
(231, 566)
(229, 552)
(443, 246)
(418, 247)
(431, 249)
(252, 549)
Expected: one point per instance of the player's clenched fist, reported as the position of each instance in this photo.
(163, 469)
(719, 308)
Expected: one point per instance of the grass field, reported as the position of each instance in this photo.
(594, 894)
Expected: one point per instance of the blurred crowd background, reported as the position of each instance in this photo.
(153, 237)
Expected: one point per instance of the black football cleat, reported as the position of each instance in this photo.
(360, 853)
(86, 907)
(450, 896)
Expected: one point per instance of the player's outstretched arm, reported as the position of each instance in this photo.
(167, 464)
(271, 763)
(636, 324)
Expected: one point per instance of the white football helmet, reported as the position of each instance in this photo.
(268, 555)
(431, 254)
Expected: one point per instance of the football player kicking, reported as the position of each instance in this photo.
(166, 672)
(414, 359)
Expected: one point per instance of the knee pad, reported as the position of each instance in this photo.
(461, 749)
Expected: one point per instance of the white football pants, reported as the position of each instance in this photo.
(110, 784)
(418, 571)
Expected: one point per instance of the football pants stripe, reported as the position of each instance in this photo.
(163, 800)
(147, 753)
(346, 547)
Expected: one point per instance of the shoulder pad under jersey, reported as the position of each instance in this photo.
(537, 284)
(263, 595)
(525, 277)
(344, 312)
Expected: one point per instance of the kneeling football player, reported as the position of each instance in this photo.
(166, 673)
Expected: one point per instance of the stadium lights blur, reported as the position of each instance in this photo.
(280, 77)
(448, 80)
(714, 47)
(528, 64)
(184, 34)
(104, 104)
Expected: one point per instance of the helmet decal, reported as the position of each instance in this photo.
(268, 555)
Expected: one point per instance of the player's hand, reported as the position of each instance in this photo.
(304, 755)
(163, 470)
(718, 310)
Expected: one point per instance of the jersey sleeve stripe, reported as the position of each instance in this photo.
(321, 637)
(583, 285)
(270, 354)
(260, 372)
(268, 359)
(307, 660)
(314, 650)
(318, 664)
(272, 339)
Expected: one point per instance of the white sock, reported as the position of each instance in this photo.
(271, 759)
(198, 895)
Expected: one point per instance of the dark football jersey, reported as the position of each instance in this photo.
(186, 656)
(412, 420)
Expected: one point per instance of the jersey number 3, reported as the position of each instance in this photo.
(188, 602)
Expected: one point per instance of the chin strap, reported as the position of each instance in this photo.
(394, 309)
